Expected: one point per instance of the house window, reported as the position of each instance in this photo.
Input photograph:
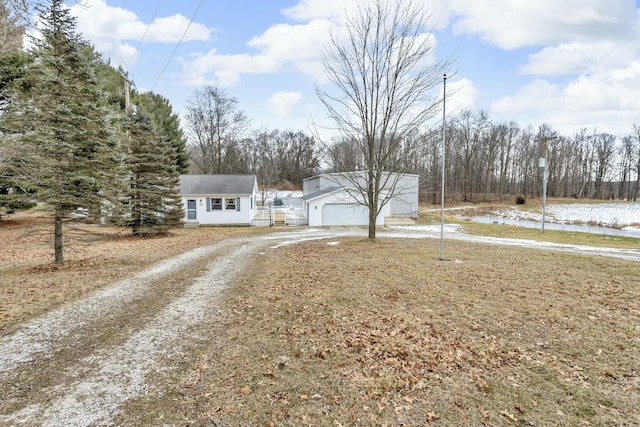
(191, 209)
(231, 205)
(216, 204)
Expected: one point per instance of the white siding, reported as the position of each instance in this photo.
(221, 217)
(323, 211)
(345, 214)
(402, 204)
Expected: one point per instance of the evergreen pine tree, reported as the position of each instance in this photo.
(62, 123)
(166, 124)
(154, 200)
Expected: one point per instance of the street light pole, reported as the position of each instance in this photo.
(542, 162)
(444, 100)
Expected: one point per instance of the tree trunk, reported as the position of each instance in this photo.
(373, 209)
(57, 241)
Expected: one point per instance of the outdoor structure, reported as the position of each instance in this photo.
(329, 203)
(218, 199)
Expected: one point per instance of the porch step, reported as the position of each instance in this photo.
(280, 219)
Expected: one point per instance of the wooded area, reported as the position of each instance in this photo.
(488, 160)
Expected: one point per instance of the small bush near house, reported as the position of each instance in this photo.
(520, 200)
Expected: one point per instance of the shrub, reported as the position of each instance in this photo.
(19, 205)
(520, 200)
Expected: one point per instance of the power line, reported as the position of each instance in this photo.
(177, 45)
(155, 12)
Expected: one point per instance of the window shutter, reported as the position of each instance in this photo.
(208, 204)
(238, 204)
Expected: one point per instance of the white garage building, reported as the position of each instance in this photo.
(329, 201)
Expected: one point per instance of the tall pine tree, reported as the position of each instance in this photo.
(154, 200)
(166, 124)
(62, 123)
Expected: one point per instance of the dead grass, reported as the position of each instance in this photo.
(385, 334)
(94, 257)
(364, 334)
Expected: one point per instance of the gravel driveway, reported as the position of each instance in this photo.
(77, 365)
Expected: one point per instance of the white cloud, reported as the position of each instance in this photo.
(587, 68)
(226, 69)
(517, 24)
(537, 95)
(306, 10)
(282, 103)
(578, 57)
(288, 47)
(606, 100)
(337, 10)
(281, 48)
(461, 95)
(298, 45)
(108, 28)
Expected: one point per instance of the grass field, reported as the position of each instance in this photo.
(354, 333)
(374, 334)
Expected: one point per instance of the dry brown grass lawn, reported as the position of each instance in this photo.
(94, 257)
(371, 334)
(386, 334)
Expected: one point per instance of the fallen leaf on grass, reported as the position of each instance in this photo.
(508, 416)
(432, 416)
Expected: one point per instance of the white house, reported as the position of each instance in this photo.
(218, 199)
(329, 202)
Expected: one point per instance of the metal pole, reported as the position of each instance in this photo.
(444, 100)
(544, 140)
(544, 185)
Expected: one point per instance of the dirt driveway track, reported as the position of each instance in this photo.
(78, 364)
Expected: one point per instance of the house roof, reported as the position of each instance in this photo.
(320, 193)
(217, 184)
(353, 173)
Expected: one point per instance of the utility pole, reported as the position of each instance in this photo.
(444, 99)
(127, 92)
(127, 105)
(542, 163)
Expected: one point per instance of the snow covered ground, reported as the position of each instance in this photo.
(618, 215)
(621, 218)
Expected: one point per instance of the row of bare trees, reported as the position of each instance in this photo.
(221, 142)
(488, 160)
(485, 159)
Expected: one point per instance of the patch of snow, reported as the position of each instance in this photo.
(601, 218)
(606, 214)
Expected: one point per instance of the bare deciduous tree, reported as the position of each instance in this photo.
(215, 125)
(383, 73)
(11, 30)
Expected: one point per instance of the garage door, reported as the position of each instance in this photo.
(344, 214)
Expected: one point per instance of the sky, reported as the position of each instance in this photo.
(571, 64)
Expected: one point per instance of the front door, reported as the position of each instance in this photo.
(191, 210)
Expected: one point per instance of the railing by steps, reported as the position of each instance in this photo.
(279, 216)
